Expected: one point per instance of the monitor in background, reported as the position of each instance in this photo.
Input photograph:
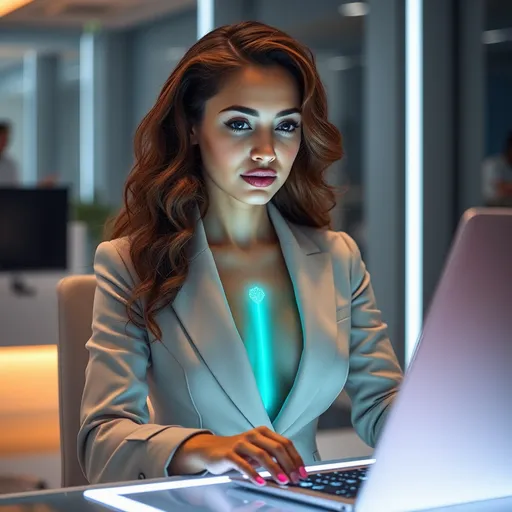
(33, 229)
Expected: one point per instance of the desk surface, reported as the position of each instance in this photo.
(210, 494)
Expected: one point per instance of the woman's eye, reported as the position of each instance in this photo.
(238, 126)
(288, 126)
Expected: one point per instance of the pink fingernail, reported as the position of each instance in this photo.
(303, 472)
(282, 478)
(260, 481)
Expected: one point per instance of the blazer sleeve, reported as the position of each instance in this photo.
(116, 442)
(374, 372)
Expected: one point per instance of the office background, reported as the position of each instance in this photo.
(77, 76)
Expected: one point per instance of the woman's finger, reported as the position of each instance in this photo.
(280, 453)
(298, 463)
(240, 464)
(264, 459)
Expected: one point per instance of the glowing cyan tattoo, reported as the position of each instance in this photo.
(259, 346)
(256, 294)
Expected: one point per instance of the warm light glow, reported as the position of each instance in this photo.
(8, 6)
(29, 395)
(28, 378)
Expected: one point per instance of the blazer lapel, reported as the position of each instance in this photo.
(311, 273)
(204, 312)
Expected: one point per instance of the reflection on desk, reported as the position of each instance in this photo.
(50, 501)
(216, 498)
(209, 494)
(230, 498)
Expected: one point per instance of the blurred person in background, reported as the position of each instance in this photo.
(224, 294)
(8, 169)
(9, 173)
(497, 177)
(9, 178)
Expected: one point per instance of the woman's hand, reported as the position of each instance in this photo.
(259, 447)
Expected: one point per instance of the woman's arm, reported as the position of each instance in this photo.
(115, 441)
(374, 373)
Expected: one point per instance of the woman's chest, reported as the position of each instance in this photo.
(262, 302)
(224, 303)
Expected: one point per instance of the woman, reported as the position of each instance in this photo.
(223, 295)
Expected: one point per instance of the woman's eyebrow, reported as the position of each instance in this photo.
(254, 113)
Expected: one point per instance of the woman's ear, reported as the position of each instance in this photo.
(193, 136)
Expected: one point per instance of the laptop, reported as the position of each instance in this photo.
(448, 438)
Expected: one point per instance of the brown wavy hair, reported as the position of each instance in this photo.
(166, 185)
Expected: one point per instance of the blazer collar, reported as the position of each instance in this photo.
(203, 310)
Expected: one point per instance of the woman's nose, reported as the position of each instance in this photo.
(263, 153)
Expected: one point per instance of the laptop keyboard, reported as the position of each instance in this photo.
(339, 483)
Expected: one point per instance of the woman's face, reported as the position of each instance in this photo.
(252, 125)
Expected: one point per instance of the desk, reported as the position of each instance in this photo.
(214, 494)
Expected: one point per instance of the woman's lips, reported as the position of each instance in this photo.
(259, 181)
(261, 172)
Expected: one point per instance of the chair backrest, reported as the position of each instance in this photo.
(75, 299)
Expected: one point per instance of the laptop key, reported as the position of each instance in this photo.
(338, 483)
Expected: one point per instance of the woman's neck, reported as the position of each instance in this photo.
(240, 227)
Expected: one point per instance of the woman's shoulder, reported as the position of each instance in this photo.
(114, 254)
(338, 243)
(116, 246)
(347, 263)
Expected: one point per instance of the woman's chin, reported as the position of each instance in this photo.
(257, 197)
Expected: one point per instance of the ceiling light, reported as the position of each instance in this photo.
(8, 6)
(497, 36)
(354, 9)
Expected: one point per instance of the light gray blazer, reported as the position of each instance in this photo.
(199, 377)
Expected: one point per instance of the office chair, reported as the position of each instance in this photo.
(75, 300)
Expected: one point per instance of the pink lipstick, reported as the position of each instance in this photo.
(260, 178)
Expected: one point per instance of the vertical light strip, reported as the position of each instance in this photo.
(413, 176)
(30, 149)
(205, 9)
(87, 121)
